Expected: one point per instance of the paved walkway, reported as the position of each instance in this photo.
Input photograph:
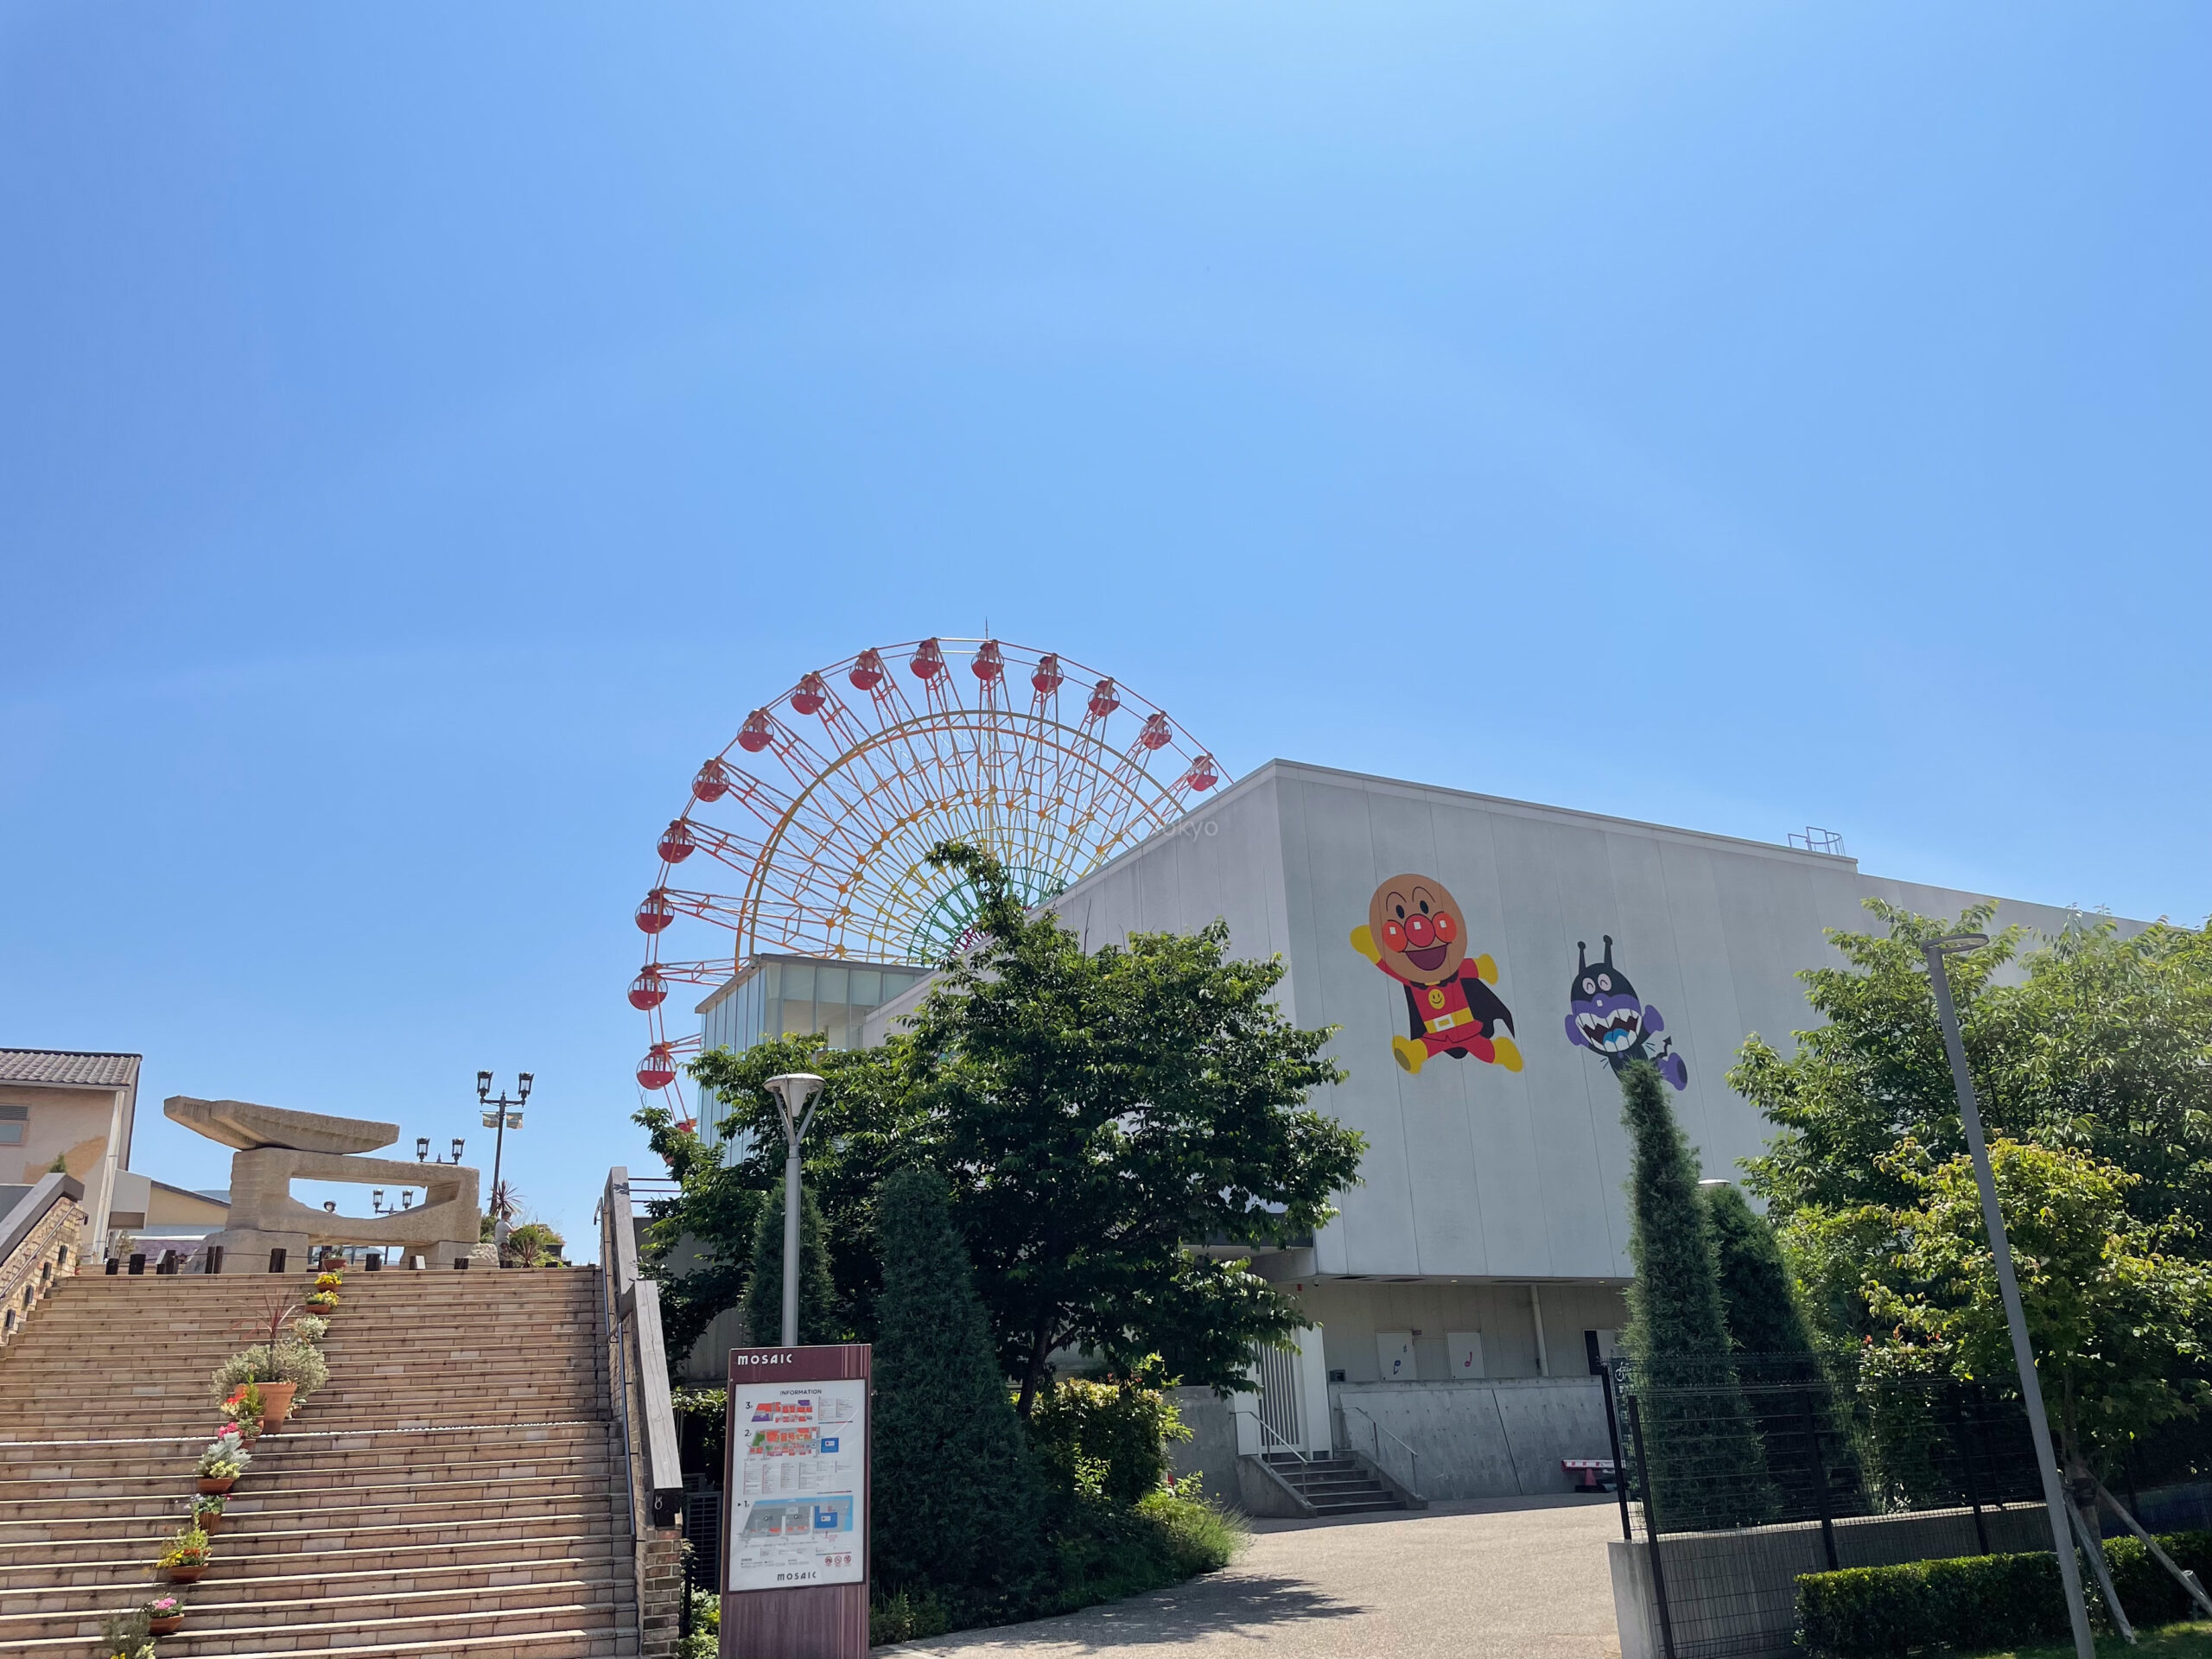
(1461, 1581)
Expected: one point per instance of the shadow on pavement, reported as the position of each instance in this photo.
(1215, 1604)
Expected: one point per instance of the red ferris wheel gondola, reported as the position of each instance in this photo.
(820, 811)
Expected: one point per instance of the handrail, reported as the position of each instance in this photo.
(638, 1301)
(1267, 1433)
(1412, 1485)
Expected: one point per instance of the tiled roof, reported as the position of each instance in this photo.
(63, 1066)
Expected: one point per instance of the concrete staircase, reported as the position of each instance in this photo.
(1333, 1485)
(455, 1490)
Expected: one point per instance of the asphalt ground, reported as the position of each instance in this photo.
(1468, 1581)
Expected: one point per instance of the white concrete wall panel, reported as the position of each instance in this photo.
(1473, 1171)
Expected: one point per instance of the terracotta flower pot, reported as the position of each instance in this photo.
(186, 1574)
(276, 1405)
(208, 1520)
(166, 1626)
(212, 1483)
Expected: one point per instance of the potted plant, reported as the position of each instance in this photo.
(128, 1636)
(186, 1557)
(309, 1329)
(284, 1366)
(208, 1512)
(222, 1462)
(164, 1615)
(244, 1406)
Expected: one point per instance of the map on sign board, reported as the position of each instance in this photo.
(799, 1485)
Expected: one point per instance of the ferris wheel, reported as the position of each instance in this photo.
(813, 825)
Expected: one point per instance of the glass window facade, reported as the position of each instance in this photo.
(786, 996)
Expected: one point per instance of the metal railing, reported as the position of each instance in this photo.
(638, 1371)
(1267, 1432)
(1411, 1481)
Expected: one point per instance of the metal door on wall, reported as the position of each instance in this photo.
(1283, 1422)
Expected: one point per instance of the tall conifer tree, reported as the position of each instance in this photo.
(764, 1289)
(1708, 1468)
(958, 1498)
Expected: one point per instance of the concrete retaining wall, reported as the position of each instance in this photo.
(1211, 1452)
(1737, 1591)
(1502, 1437)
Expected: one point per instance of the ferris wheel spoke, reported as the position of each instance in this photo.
(826, 803)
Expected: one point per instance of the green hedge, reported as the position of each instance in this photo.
(1981, 1601)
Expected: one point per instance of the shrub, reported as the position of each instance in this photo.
(705, 1640)
(1981, 1601)
(310, 1329)
(1105, 1552)
(1112, 1438)
(901, 1617)
(2146, 1590)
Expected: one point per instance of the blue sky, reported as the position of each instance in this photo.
(426, 431)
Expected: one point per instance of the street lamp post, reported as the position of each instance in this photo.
(2023, 1354)
(795, 1093)
(501, 1115)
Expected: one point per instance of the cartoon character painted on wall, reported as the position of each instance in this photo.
(1605, 1014)
(1417, 933)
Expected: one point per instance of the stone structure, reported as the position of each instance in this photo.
(276, 1147)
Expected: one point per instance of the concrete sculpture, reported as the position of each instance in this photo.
(275, 1147)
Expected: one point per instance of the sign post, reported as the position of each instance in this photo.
(794, 1569)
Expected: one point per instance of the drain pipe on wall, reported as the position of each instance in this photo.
(1536, 1313)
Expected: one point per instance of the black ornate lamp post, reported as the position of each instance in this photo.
(501, 1115)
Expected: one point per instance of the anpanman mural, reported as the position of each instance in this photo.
(1605, 1013)
(1416, 933)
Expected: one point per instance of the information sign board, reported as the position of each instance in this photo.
(798, 1498)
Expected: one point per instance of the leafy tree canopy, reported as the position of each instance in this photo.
(2096, 1042)
(1093, 1113)
(2118, 1323)
(1098, 1112)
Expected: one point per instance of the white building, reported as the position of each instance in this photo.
(1467, 1287)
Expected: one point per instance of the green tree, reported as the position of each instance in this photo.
(959, 1503)
(1777, 1367)
(2092, 1042)
(698, 1243)
(818, 1320)
(1100, 1114)
(1707, 1468)
(2118, 1323)
(1758, 1297)
(864, 1126)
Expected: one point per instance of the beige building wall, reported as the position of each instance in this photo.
(46, 1114)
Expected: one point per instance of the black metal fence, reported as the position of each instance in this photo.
(1738, 1474)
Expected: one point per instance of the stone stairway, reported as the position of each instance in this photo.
(455, 1490)
(1334, 1485)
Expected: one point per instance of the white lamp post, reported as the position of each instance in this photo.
(795, 1093)
(1992, 1218)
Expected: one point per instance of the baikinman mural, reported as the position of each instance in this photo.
(1416, 933)
(1605, 1014)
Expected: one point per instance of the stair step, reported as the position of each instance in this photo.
(452, 1491)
